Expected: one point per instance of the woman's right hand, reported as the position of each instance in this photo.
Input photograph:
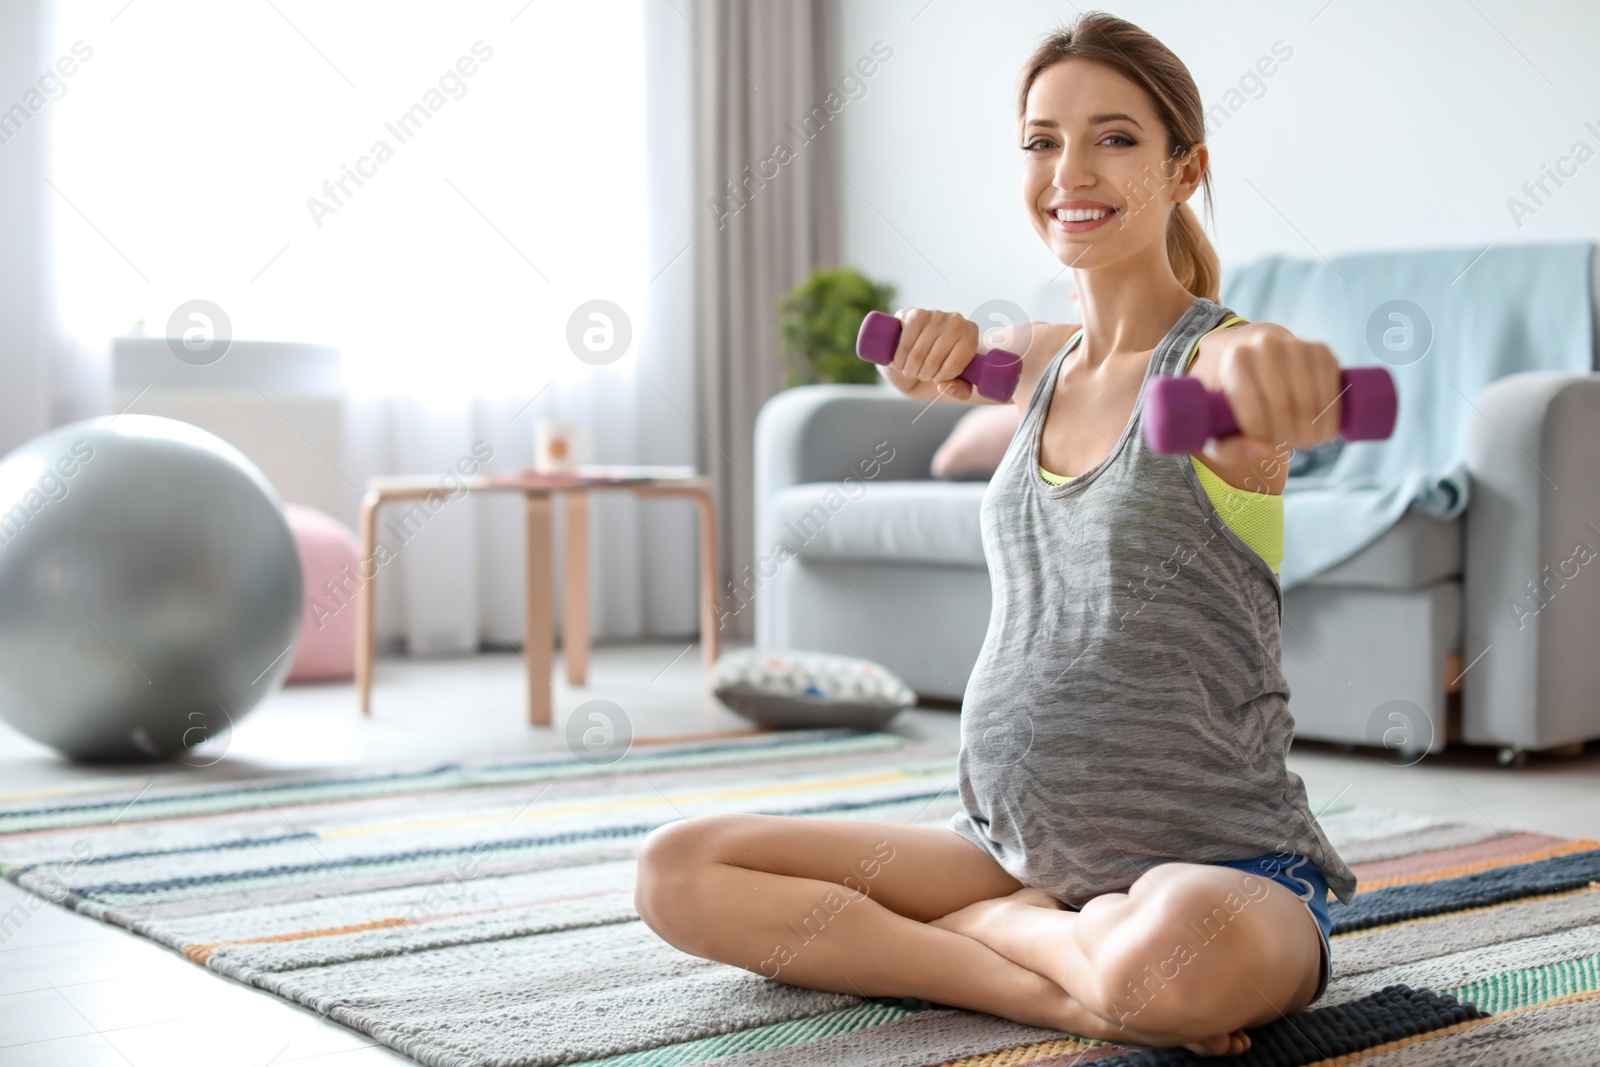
(935, 347)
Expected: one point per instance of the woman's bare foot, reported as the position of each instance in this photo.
(1222, 1045)
(1036, 898)
(973, 917)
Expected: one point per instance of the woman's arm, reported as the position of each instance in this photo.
(1035, 342)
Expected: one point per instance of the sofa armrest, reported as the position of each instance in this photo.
(827, 433)
(1531, 579)
(822, 433)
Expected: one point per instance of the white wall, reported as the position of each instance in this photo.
(1392, 125)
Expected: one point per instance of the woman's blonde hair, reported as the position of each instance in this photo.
(1150, 65)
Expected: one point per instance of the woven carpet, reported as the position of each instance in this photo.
(481, 914)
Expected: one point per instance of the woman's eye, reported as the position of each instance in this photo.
(1033, 145)
(1127, 141)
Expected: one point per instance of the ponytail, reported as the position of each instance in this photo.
(1193, 259)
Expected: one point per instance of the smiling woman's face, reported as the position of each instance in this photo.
(1092, 144)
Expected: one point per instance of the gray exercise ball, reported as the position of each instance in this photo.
(150, 589)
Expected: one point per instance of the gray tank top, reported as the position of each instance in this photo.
(1128, 707)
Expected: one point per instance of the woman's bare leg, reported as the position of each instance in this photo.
(1190, 952)
(839, 905)
(849, 907)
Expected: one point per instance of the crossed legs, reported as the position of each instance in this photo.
(880, 909)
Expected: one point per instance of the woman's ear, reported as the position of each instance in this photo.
(1190, 172)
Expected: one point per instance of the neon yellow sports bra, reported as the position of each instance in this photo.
(1256, 517)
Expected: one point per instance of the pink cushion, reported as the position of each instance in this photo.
(328, 554)
(977, 443)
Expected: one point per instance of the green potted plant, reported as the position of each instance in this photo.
(821, 316)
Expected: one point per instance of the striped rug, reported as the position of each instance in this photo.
(481, 914)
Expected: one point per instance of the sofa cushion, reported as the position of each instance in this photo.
(937, 522)
(977, 444)
(896, 521)
(1416, 551)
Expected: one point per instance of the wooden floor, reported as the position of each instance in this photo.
(77, 992)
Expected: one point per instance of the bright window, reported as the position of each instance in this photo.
(207, 152)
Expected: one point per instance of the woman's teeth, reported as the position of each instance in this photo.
(1082, 214)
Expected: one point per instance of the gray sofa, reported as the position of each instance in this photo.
(888, 564)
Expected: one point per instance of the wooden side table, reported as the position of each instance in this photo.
(539, 607)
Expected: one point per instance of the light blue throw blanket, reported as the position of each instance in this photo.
(1514, 308)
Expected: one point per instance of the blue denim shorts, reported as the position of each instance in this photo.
(1302, 877)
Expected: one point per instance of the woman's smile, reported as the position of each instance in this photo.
(1080, 216)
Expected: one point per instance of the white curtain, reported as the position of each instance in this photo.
(434, 190)
(766, 78)
(26, 328)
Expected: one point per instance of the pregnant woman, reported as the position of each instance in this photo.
(1133, 861)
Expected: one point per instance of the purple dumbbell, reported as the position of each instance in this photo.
(993, 373)
(1181, 415)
